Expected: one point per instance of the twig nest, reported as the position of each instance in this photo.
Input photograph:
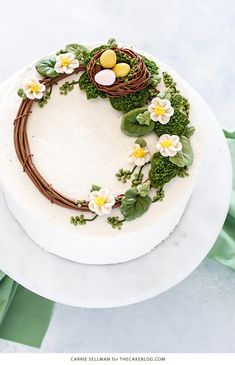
(136, 80)
(108, 59)
(121, 69)
(105, 77)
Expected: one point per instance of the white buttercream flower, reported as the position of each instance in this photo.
(66, 63)
(160, 110)
(34, 89)
(101, 202)
(138, 155)
(168, 145)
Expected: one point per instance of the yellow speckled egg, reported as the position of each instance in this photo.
(121, 69)
(108, 58)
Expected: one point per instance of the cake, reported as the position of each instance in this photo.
(100, 156)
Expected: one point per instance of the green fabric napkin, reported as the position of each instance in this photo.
(24, 316)
(224, 248)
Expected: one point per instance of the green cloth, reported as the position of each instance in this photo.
(224, 248)
(24, 316)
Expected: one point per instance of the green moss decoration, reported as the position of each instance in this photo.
(154, 77)
(162, 171)
(86, 85)
(180, 103)
(140, 98)
(176, 125)
(179, 120)
(170, 83)
(132, 101)
(127, 102)
(151, 66)
(122, 57)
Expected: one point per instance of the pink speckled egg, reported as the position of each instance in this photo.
(105, 77)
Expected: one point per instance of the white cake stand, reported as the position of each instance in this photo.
(122, 284)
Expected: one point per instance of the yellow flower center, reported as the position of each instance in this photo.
(34, 87)
(159, 110)
(139, 152)
(100, 201)
(65, 62)
(167, 143)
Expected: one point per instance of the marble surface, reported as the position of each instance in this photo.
(189, 39)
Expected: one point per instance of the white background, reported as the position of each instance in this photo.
(196, 38)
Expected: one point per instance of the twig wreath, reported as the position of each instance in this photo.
(130, 81)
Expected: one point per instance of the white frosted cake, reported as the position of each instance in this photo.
(86, 181)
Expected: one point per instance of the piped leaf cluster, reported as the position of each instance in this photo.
(134, 204)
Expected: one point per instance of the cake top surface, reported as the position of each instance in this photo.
(77, 142)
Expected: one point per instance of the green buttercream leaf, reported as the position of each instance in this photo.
(134, 205)
(187, 150)
(141, 142)
(143, 189)
(112, 42)
(95, 188)
(21, 94)
(184, 157)
(144, 118)
(131, 127)
(77, 49)
(189, 131)
(178, 159)
(46, 67)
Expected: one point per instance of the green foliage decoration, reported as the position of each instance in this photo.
(131, 127)
(46, 67)
(134, 205)
(162, 171)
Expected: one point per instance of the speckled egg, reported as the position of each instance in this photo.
(108, 58)
(105, 77)
(121, 69)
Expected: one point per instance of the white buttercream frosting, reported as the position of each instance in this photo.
(76, 143)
